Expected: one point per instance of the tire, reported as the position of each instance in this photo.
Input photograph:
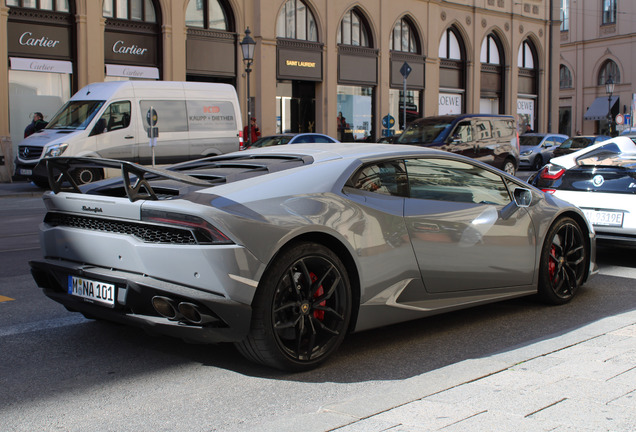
(563, 262)
(86, 175)
(296, 328)
(509, 167)
(537, 163)
(41, 183)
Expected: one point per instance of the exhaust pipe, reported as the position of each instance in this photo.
(192, 313)
(165, 307)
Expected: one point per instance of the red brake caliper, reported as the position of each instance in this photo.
(552, 264)
(318, 314)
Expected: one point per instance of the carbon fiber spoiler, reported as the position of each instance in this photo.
(135, 183)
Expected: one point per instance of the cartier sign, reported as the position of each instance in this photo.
(124, 48)
(37, 40)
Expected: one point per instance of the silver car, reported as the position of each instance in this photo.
(536, 149)
(285, 250)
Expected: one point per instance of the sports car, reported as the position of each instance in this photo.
(285, 250)
(601, 180)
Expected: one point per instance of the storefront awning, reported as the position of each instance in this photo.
(40, 65)
(132, 71)
(599, 108)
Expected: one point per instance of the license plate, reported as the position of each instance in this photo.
(93, 291)
(25, 172)
(604, 218)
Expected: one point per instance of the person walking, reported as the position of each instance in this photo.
(37, 124)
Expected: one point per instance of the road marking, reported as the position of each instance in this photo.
(617, 271)
(4, 298)
(42, 325)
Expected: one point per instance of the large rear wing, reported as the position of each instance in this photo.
(134, 176)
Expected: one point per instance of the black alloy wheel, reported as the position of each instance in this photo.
(301, 310)
(563, 262)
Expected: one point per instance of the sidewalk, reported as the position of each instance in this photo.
(20, 189)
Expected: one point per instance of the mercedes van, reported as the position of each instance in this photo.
(490, 138)
(112, 120)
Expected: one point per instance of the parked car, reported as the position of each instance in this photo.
(537, 148)
(300, 138)
(601, 180)
(284, 251)
(389, 139)
(492, 139)
(576, 143)
(630, 133)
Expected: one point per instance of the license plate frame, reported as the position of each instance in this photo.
(604, 218)
(25, 171)
(92, 291)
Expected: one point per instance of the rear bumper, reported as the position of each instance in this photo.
(230, 320)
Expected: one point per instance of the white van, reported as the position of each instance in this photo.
(110, 120)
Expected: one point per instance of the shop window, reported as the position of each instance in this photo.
(353, 30)
(133, 10)
(400, 107)
(296, 21)
(208, 14)
(565, 77)
(404, 37)
(51, 5)
(355, 113)
(609, 69)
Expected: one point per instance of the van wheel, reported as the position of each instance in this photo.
(509, 167)
(87, 175)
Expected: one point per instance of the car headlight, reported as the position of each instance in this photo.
(55, 150)
(527, 152)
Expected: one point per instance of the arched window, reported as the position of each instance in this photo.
(404, 37)
(296, 21)
(51, 5)
(565, 77)
(609, 69)
(450, 47)
(526, 56)
(133, 10)
(353, 30)
(490, 51)
(208, 14)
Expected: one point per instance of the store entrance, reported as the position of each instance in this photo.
(295, 106)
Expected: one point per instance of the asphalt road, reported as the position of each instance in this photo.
(60, 371)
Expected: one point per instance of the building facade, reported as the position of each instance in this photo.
(356, 70)
(598, 44)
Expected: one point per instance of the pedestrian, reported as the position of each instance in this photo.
(528, 129)
(37, 124)
(255, 131)
(578, 132)
(342, 126)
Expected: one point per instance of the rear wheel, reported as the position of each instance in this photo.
(87, 175)
(563, 262)
(301, 310)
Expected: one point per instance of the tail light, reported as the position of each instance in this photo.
(518, 146)
(549, 191)
(203, 231)
(551, 172)
(241, 143)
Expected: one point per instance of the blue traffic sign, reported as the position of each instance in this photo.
(388, 121)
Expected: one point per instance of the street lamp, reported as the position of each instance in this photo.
(247, 46)
(609, 89)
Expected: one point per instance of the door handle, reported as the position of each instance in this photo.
(128, 137)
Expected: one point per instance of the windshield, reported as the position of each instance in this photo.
(424, 131)
(576, 143)
(530, 141)
(75, 115)
(271, 141)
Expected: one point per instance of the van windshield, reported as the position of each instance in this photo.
(424, 131)
(75, 115)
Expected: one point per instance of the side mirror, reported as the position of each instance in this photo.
(523, 197)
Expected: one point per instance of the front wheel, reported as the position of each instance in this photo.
(301, 310)
(563, 262)
(537, 164)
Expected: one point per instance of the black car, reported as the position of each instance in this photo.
(490, 138)
(576, 143)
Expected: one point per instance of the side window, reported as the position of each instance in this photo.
(456, 181)
(463, 132)
(503, 128)
(483, 129)
(387, 178)
(171, 114)
(116, 116)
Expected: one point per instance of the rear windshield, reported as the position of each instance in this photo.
(75, 115)
(424, 131)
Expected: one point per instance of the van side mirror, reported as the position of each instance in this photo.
(523, 197)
